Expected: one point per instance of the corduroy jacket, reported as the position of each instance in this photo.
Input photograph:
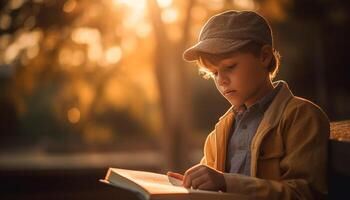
(288, 151)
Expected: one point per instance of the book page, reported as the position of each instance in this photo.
(152, 182)
(159, 186)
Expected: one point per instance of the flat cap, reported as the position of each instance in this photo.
(228, 31)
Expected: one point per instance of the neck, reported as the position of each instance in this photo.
(266, 88)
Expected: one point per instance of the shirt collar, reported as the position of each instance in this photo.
(261, 103)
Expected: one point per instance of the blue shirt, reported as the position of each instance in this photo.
(243, 129)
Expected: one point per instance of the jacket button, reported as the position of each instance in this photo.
(244, 126)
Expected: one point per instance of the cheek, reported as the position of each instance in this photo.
(243, 77)
(247, 77)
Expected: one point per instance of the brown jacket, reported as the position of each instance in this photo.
(288, 151)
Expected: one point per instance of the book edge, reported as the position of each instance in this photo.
(134, 186)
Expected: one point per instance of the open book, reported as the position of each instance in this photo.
(151, 186)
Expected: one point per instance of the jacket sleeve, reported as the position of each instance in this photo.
(303, 167)
(209, 150)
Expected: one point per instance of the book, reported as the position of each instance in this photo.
(153, 186)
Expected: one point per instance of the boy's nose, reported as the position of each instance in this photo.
(222, 80)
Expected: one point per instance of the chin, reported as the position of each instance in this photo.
(235, 102)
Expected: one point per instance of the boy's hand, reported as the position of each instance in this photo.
(175, 175)
(202, 177)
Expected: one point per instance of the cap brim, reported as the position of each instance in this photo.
(212, 46)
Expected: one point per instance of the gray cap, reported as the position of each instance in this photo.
(228, 31)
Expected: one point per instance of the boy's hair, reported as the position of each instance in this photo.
(252, 47)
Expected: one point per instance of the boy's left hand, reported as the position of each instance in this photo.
(205, 178)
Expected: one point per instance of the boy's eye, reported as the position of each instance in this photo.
(231, 66)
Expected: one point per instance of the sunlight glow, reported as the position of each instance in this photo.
(86, 35)
(128, 44)
(244, 4)
(115, 94)
(64, 56)
(135, 9)
(113, 55)
(169, 15)
(164, 3)
(198, 13)
(91, 37)
(143, 30)
(78, 57)
(32, 52)
(134, 4)
(24, 41)
(15, 4)
(215, 4)
(73, 115)
(175, 33)
(68, 57)
(69, 6)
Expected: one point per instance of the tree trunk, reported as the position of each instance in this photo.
(174, 91)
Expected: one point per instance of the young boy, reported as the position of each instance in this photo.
(270, 144)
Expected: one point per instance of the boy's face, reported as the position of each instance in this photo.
(240, 76)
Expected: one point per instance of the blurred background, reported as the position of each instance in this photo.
(91, 84)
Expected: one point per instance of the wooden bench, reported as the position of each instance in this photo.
(339, 160)
(340, 131)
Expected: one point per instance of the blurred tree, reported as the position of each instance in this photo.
(63, 69)
(174, 88)
(82, 75)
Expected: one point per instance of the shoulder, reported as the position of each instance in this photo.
(300, 110)
(304, 106)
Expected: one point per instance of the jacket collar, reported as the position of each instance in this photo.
(271, 117)
(275, 109)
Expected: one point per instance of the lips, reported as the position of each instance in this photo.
(229, 92)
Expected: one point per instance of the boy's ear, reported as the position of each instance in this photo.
(266, 55)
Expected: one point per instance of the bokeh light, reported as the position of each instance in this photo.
(73, 115)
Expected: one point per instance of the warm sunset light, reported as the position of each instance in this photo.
(143, 30)
(169, 15)
(164, 3)
(69, 6)
(73, 115)
(15, 4)
(24, 41)
(87, 85)
(113, 55)
(139, 5)
(92, 38)
(245, 4)
(102, 57)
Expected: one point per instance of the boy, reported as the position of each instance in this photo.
(270, 144)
